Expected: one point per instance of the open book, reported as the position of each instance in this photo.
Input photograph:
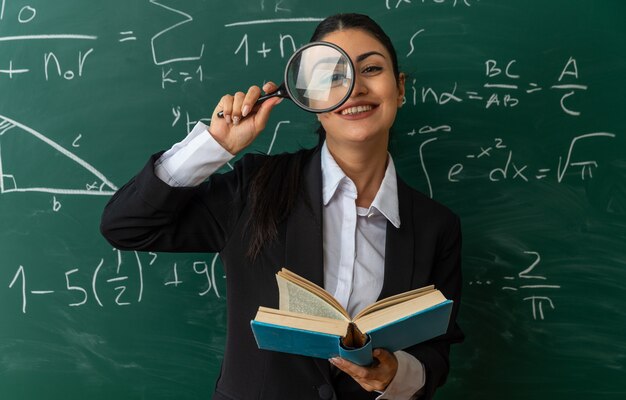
(311, 322)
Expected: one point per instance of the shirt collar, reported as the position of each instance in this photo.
(385, 201)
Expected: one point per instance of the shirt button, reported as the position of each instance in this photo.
(370, 215)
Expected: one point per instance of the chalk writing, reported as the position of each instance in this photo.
(56, 205)
(75, 142)
(50, 65)
(127, 36)
(286, 43)
(171, 76)
(533, 293)
(503, 90)
(189, 122)
(411, 42)
(537, 301)
(273, 21)
(10, 71)
(264, 50)
(26, 15)
(277, 6)
(516, 170)
(187, 18)
(430, 129)
(174, 68)
(269, 150)
(69, 74)
(400, 3)
(122, 284)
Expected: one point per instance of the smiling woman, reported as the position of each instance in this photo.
(336, 214)
(358, 132)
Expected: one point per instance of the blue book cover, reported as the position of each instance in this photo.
(400, 333)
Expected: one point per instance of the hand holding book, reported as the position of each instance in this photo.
(376, 376)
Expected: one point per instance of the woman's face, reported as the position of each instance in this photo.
(371, 109)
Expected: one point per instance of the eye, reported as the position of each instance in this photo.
(338, 79)
(332, 80)
(372, 68)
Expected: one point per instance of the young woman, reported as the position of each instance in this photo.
(336, 214)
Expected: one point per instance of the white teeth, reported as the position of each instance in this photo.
(356, 110)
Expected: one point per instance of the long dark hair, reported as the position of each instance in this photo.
(277, 186)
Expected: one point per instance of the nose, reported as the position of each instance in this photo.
(360, 87)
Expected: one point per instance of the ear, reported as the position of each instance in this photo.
(401, 90)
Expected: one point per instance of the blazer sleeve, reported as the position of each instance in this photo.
(149, 215)
(446, 276)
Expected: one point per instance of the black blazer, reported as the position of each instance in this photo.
(146, 214)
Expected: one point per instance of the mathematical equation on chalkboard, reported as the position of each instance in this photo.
(123, 282)
(505, 90)
(509, 167)
(178, 68)
(534, 288)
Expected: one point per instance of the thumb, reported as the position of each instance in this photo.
(263, 114)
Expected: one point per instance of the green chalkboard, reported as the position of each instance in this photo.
(514, 118)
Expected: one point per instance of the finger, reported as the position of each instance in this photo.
(270, 87)
(237, 103)
(387, 364)
(355, 371)
(376, 377)
(251, 97)
(263, 113)
(384, 357)
(387, 367)
(226, 105)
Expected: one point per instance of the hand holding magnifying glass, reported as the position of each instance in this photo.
(319, 77)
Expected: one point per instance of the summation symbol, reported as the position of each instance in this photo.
(186, 19)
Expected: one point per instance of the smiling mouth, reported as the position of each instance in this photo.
(357, 110)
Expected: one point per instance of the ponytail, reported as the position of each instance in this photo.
(274, 191)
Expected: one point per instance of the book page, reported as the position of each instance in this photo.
(298, 321)
(299, 300)
(313, 288)
(398, 298)
(390, 314)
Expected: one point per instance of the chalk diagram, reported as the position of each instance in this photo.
(21, 146)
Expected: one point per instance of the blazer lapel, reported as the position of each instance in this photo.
(303, 244)
(399, 247)
(304, 253)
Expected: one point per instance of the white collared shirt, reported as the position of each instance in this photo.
(353, 237)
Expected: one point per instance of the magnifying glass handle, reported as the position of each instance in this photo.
(280, 92)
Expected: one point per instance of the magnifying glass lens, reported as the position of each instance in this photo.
(319, 78)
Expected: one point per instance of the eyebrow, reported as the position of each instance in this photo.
(365, 55)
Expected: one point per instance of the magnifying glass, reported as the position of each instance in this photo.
(319, 77)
